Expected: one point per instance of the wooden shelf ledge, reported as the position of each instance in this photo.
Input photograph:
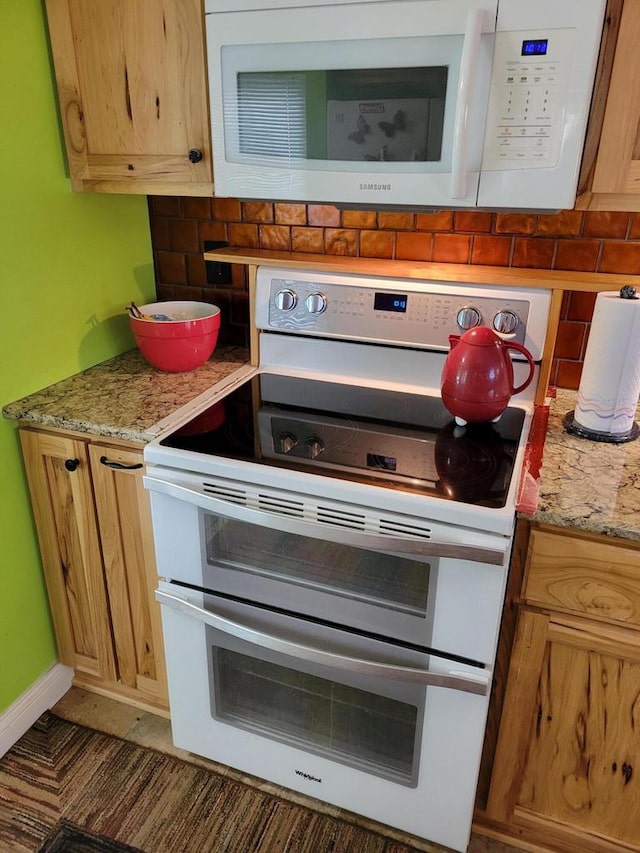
(465, 273)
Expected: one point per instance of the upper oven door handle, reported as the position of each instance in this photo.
(454, 680)
(390, 544)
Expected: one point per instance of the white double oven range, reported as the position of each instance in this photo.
(333, 551)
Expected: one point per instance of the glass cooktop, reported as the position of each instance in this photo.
(384, 437)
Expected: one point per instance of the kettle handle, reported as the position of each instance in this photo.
(525, 352)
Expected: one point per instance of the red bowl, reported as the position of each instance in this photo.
(183, 342)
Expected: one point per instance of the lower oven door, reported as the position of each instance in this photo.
(431, 584)
(387, 732)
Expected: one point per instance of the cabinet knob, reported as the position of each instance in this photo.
(195, 155)
(71, 464)
(119, 465)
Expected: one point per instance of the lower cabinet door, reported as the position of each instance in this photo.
(565, 770)
(124, 519)
(93, 520)
(59, 480)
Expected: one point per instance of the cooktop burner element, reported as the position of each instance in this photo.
(390, 438)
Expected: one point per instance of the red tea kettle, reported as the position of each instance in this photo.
(477, 377)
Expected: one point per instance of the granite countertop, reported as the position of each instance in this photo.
(587, 485)
(125, 397)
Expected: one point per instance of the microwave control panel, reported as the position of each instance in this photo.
(530, 90)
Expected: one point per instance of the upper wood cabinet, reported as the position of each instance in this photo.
(610, 178)
(132, 90)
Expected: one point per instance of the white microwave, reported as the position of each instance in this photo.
(428, 103)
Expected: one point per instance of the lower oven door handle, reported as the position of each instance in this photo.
(388, 544)
(455, 680)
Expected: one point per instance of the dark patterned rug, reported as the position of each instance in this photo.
(61, 776)
(67, 838)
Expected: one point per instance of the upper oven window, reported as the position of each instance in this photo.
(381, 579)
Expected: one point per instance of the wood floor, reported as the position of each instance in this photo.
(153, 731)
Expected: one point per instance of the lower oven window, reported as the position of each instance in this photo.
(339, 721)
(396, 583)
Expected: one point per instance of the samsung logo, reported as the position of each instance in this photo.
(308, 776)
(386, 187)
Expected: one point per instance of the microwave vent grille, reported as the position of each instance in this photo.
(330, 513)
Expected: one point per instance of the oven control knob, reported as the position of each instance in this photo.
(316, 303)
(314, 447)
(505, 322)
(286, 442)
(468, 317)
(286, 300)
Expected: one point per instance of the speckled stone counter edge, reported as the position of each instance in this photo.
(123, 397)
(587, 485)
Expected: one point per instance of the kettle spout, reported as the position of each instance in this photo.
(454, 340)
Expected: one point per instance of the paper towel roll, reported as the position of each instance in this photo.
(610, 383)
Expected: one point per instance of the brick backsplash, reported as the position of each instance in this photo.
(590, 241)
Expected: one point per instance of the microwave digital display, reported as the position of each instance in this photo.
(535, 47)
(390, 302)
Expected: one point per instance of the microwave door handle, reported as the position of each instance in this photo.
(455, 680)
(418, 548)
(468, 68)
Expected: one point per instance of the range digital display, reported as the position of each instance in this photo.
(390, 302)
(535, 47)
(384, 463)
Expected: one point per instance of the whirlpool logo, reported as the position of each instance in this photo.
(308, 776)
(374, 187)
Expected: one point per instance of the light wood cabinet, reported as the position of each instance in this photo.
(132, 90)
(584, 576)
(566, 769)
(93, 521)
(610, 177)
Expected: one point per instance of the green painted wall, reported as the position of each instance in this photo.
(68, 265)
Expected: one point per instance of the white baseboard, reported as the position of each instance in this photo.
(42, 695)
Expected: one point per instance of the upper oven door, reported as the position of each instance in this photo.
(379, 103)
(399, 577)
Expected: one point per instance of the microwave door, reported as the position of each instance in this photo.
(387, 113)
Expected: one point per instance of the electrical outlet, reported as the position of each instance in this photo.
(217, 272)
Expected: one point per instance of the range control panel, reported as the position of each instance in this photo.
(396, 311)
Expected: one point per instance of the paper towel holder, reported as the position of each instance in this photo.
(574, 428)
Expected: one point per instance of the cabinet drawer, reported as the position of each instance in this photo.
(584, 575)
